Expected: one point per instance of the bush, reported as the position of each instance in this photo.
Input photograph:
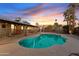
(66, 29)
(49, 28)
(76, 31)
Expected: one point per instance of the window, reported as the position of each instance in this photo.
(21, 27)
(12, 26)
(3, 26)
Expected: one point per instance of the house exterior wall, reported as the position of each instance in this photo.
(8, 31)
(17, 29)
(5, 31)
(0, 30)
(25, 30)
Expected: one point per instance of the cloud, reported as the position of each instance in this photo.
(37, 10)
(31, 10)
(55, 14)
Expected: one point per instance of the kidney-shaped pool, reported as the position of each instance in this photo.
(42, 41)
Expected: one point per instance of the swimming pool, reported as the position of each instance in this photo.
(42, 41)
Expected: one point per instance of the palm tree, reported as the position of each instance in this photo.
(18, 19)
(70, 17)
(55, 20)
(37, 24)
(56, 26)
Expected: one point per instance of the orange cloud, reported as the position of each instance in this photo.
(55, 14)
(43, 11)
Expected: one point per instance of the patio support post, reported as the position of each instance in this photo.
(25, 30)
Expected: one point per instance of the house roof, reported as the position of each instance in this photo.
(15, 22)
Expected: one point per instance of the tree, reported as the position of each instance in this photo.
(55, 20)
(18, 19)
(49, 28)
(37, 24)
(55, 24)
(66, 29)
(70, 17)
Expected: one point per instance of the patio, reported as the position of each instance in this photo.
(14, 49)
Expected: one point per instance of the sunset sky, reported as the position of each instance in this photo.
(42, 13)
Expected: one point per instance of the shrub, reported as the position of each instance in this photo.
(76, 31)
(66, 29)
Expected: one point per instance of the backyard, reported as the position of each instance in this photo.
(39, 30)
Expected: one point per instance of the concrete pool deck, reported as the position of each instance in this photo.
(14, 49)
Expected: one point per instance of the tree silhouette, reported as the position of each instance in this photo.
(70, 17)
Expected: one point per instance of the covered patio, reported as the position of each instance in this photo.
(8, 28)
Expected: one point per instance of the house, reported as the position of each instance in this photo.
(9, 28)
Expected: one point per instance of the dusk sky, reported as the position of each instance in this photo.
(44, 14)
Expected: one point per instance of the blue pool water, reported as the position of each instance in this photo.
(42, 41)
